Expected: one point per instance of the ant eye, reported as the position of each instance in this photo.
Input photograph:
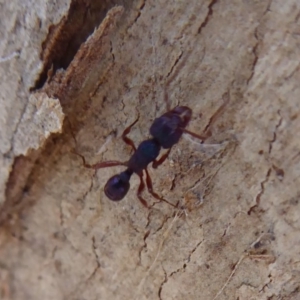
(117, 187)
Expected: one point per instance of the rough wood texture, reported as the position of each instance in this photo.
(236, 234)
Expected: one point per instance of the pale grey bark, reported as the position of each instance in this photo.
(236, 233)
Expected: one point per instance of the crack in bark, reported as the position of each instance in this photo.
(173, 182)
(139, 12)
(148, 218)
(162, 284)
(255, 54)
(266, 284)
(146, 235)
(61, 215)
(226, 229)
(112, 52)
(134, 21)
(165, 220)
(81, 199)
(261, 192)
(101, 81)
(218, 112)
(186, 260)
(96, 255)
(144, 245)
(173, 67)
(268, 7)
(160, 246)
(194, 249)
(275, 132)
(208, 16)
(90, 277)
(278, 171)
(254, 49)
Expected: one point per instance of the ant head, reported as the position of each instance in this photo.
(185, 114)
(117, 186)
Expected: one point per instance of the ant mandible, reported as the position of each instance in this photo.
(166, 131)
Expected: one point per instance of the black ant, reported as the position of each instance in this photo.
(166, 132)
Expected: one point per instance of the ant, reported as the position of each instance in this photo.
(166, 131)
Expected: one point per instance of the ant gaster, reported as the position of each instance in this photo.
(166, 131)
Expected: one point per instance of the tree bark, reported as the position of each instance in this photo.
(75, 75)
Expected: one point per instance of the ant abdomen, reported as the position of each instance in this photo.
(118, 185)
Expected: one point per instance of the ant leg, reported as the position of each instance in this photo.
(104, 164)
(140, 190)
(198, 136)
(157, 163)
(212, 120)
(126, 139)
(150, 190)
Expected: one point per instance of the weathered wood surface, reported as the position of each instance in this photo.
(236, 235)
